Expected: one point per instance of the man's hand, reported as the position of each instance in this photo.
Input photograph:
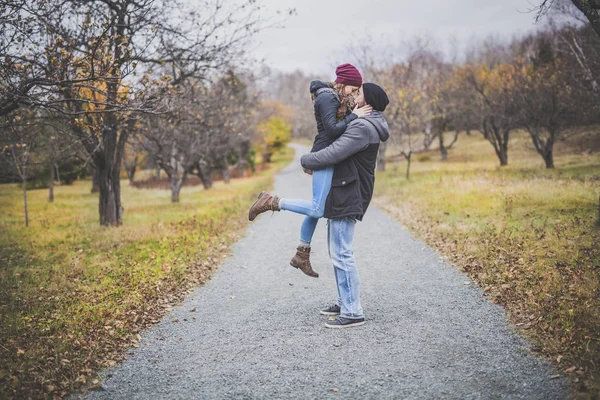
(307, 171)
(363, 111)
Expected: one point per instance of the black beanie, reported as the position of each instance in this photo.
(375, 96)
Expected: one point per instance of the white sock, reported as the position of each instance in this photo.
(280, 204)
(304, 244)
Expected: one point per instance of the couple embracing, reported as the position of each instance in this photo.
(350, 126)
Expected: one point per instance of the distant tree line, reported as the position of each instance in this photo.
(545, 83)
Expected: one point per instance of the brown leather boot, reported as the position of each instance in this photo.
(302, 261)
(265, 202)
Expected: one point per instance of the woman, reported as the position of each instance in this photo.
(334, 110)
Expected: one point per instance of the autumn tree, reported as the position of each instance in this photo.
(408, 110)
(111, 58)
(546, 102)
(494, 89)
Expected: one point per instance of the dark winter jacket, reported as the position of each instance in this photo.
(354, 156)
(327, 103)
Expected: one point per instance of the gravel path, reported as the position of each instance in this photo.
(258, 333)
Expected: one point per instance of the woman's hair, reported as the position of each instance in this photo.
(346, 101)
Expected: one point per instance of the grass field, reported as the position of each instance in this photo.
(527, 235)
(74, 295)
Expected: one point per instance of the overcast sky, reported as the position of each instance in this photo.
(316, 37)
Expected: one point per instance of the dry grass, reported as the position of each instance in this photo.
(73, 294)
(527, 235)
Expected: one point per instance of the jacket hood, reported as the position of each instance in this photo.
(381, 125)
(316, 85)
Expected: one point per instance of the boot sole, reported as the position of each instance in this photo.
(250, 218)
(312, 276)
(328, 313)
(345, 326)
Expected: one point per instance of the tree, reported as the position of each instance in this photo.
(494, 89)
(292, 90)
(589, 8)
(212, 124)
(19, 142)
(276, 135)
(104, 59)
(408, 111)
(545, 99)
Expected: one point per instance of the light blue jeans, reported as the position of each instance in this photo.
(321, 185)
(340, 233)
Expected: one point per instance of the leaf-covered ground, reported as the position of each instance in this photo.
(527, 235)
(74, 295)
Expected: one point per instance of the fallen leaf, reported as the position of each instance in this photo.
(571, 369)
(555, 377)
(559, 358)
(335, 390)
(232, 297)
(338, 344)
(20, 351)
(193, 309)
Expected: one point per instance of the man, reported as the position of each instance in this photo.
(354, 156)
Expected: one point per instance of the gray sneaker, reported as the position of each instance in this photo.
(341, 322)
(331, 310)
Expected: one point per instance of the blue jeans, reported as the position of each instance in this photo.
(340, 233)
(321, 185)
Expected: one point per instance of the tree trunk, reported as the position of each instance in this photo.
(443, 149)
(599, 209)
(408, 157)
(205, 175)
(267, 158)
(176, 185)
(157, 173)
(111, 211)
(549, 159)
(25, 198)
(428, 136)
(503, 156)
(590, 10)
(131, 173)
(57, 173)
(226, 175)
(95, 181)
(381, 156)
(51, 184)
(498, 137)
(544, 147)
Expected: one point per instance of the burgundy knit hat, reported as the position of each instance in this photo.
(347, 74)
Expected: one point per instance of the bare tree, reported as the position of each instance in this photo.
(546, 101)
(589, 8)
(19, 141)
(112, 57)
(494, 89)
